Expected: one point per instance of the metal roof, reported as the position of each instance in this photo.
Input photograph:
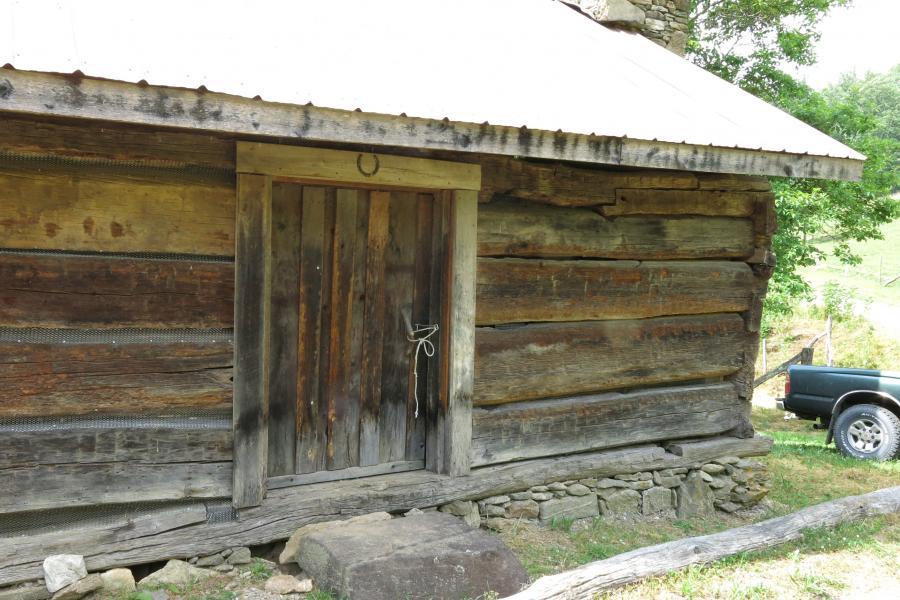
(533, 63)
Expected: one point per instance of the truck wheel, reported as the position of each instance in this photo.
(868, 432)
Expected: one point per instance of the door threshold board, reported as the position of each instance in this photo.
(400, 466)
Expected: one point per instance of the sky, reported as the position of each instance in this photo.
(859, 38)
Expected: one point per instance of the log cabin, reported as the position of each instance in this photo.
(407, 256)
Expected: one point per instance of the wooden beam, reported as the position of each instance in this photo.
(73, 372)
(45, 487)
(591, 580)
(52, 209)
(683, 202)
(553, 427)
(530, 362)
(380, 171)
(526, 229)
(97, 292)
(461, 331)
(568, 185)
(513, 290)
(82, 97)
(756, 446)
(181, 534)
(253, 283)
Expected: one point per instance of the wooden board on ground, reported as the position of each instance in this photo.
(550, 360)
(551, 427)
(514, 290)
(511, 228)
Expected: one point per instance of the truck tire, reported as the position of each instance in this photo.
(868, 432)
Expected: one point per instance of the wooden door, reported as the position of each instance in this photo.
(352, 269)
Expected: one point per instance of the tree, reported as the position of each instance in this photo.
(747, 42)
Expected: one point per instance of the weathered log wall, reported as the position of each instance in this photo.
(116, 309)
(609, 304)
(593, 283)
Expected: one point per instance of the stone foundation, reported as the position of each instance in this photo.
(663, 21)
(727, 484)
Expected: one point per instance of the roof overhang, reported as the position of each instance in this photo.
(81, 97)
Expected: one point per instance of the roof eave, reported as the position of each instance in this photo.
(78, 96)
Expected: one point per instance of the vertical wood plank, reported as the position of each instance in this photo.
(357, 313)
(315, 265)
(341, 404)
(253, 234)
(461, 325)
(415, 426)
(286, 199)
(374, 324)
(435, 445)
(398, 285)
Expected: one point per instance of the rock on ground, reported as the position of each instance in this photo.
(694, 497)
(432, 556)
(176, 572)
(80, 588)
(288, 584)
(118, 580)
(61, 570)
(289, 554)
(239, 556)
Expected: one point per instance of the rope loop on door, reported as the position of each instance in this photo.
(419, 336)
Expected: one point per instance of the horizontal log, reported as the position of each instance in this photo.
(758, 445)
(97, 140)
(551, 427)
(683, 202)
(114, 544)
(46, 487)
(515, 290)
(565, 185)
(724, 181)
(593, 579)
(511, 228)
(114, 375)
(551, 360)
(158, 443)
(44, 290)
(48, 210)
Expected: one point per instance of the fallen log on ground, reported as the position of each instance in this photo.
(584, 582)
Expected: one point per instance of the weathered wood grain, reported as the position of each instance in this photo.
(49, 211)
(355, 168)
(591, 580)
(317, 223)
(252, 308)
(46, 487)
(50, 290)
(756, 446)
(683, 202)
(283, 340)
(128, 542)
(551, 360)
(95, 140)
(565, 185)
(730, 181)
(513, 290)
(509, 228)
(49, 94)
(114, 376)
(157, 444)
(552, 427)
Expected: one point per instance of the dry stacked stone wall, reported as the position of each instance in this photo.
(663, 21)
(727, 484)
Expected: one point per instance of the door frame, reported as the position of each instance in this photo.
(455, 186)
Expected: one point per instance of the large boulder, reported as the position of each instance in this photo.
(61, 570)
(434, 556)
(289, 554)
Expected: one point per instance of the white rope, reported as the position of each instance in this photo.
(421, 341)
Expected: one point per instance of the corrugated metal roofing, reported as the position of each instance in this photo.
(536, 63)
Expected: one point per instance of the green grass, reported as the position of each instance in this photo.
(864, 277)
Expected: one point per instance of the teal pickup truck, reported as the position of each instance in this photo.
(860, 407)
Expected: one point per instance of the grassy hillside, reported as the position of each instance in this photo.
(878, 256)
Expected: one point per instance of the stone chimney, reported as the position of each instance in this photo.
(663, 21)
